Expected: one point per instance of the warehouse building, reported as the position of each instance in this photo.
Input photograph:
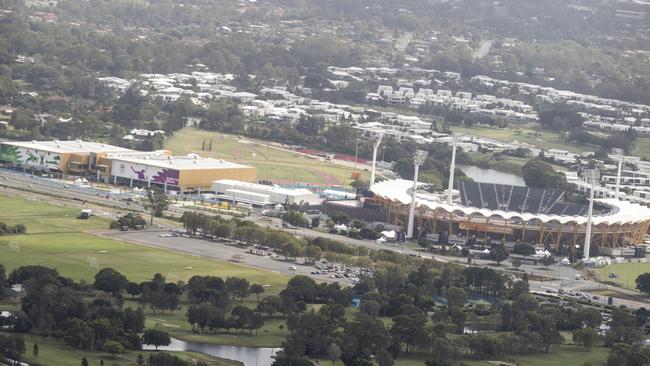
(182, 173)
(260, 194)
(65, 157)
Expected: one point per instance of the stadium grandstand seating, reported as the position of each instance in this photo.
(518, 199)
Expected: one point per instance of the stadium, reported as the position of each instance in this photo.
(514, 214)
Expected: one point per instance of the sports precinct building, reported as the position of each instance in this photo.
(65, 157)
(183, 173)
(514, 214)
(118, 165)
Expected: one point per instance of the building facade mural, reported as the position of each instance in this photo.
(145, 173)
(33, 158)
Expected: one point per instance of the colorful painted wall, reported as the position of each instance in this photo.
(145, 173)
(32, 158)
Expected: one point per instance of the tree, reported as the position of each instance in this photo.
(585, 337)
(140, 359)
(455, 297)
(643, 282)
(548, 332)
(499, 253)
(591, 317)
(312, 252)
(295, 218)
(113, 347)
(384, 358)
(257, 290)
(156, 202)
(548, 260)
(156, 337)
(523, 249)
(237, 287)
(540, 174)
(134, 289)
(333, 353)
(110, 280)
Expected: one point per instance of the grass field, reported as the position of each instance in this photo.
(270, 335)
(547, 139)
(627, 273)
(274, 164)
(54, 352)
(56, 239)
(566, 355)
(641, 147)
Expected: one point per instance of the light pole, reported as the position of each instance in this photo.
(619, 154)
(418, 159)
(591, 176)
(375, 146)
(452, 168)
(356, 153)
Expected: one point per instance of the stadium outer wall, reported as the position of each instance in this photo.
(562, 237)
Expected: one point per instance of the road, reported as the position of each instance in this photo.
(53, 191)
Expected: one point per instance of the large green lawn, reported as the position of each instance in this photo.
(627, 273)
(546, 139)
(57, 239)
(275, 164)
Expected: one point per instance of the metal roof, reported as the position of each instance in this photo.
(621, 212)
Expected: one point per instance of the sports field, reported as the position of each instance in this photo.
(626, 272)
(544, 140)
(280, 166)
(55, 238)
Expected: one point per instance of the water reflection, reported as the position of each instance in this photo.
(249, 356)
(492, 176)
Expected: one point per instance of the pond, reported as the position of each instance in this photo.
(491, 176)
(249, 356)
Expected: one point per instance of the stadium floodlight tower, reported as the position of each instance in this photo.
(418, 159)
(375, 147)
(452, 168)
(619, 154)
(591, 176)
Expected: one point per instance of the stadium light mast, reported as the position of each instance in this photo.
(619, 154)
(375, 147)
(418, 159)
(452, 168)
(591, 176)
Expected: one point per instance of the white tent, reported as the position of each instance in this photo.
(340, 227)
(388, 234)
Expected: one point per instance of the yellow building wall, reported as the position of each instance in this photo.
(64, 163)
(203, 178)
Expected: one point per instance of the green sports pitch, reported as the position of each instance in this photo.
(57, 239)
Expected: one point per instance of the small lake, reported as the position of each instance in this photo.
(249, 356)
(491, 176)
